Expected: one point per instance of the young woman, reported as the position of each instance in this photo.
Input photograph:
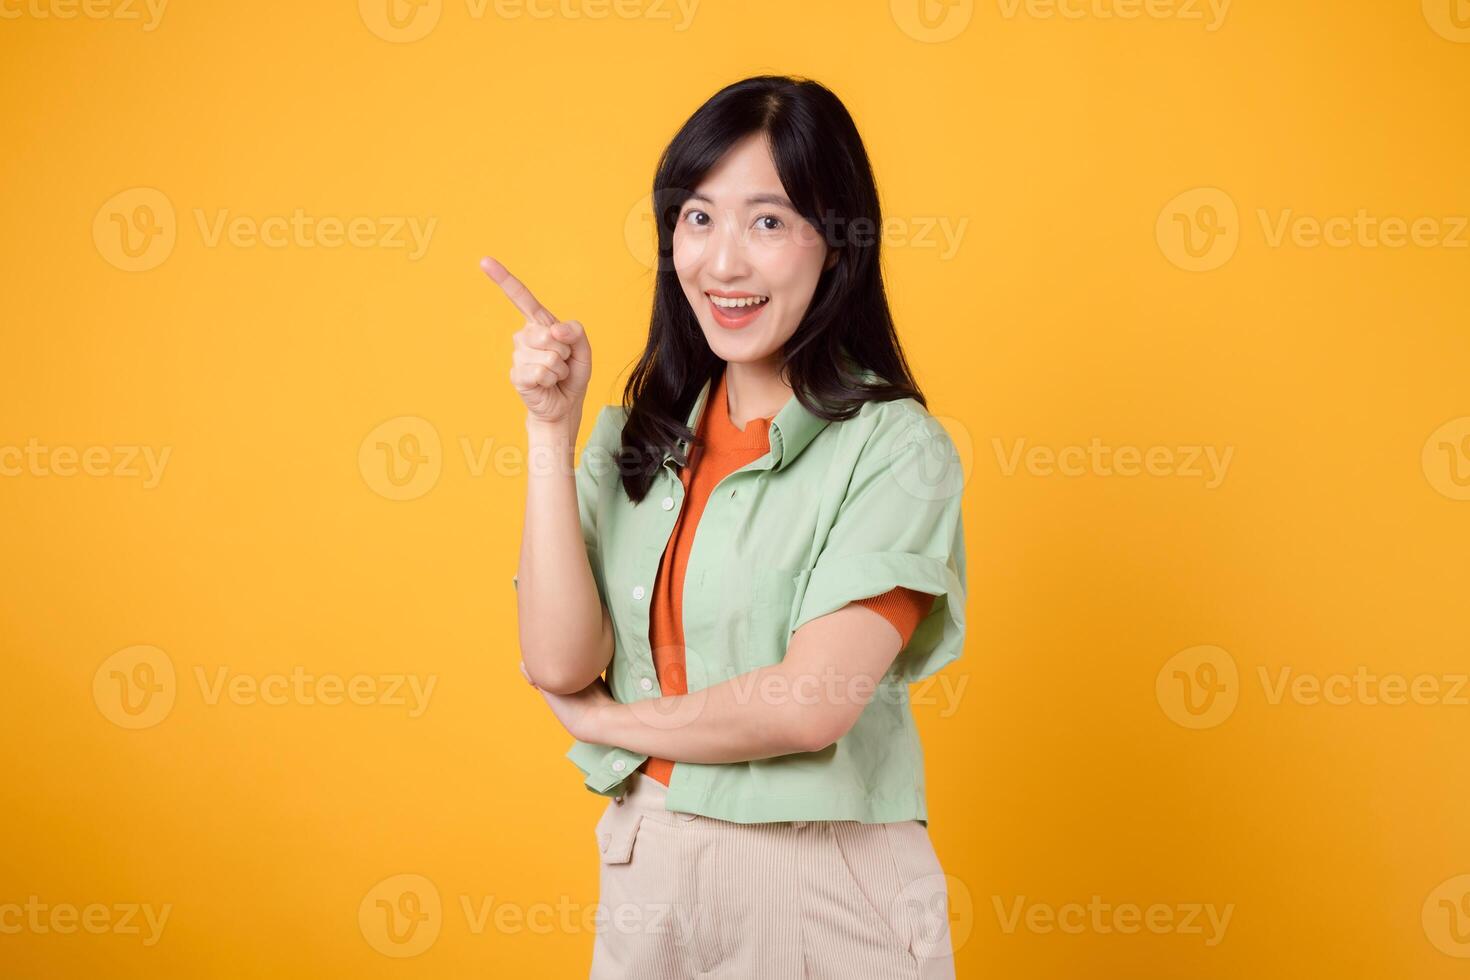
(767, 813)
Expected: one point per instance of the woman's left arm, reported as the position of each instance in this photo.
(802, 704)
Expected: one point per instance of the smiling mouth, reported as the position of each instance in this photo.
(736, 311)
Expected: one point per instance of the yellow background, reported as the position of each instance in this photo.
(1337, 539)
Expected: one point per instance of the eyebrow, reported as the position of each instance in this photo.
(775, 199)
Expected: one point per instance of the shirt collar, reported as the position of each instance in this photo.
(792, 430)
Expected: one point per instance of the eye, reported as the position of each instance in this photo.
(691, 213)
(777, 223)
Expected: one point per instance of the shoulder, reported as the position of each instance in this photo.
(607, 427)
(598, 457)
(883, 428)
(898, 449)
(897, 414)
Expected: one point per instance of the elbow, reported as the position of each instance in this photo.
(561, 668)
(558, 680)
(560, 686)
(561, 664)
(817, 726)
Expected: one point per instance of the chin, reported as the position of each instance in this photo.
(737, 348)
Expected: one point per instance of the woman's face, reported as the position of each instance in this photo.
(738, 240)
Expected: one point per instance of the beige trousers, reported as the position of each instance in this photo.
(686, 896)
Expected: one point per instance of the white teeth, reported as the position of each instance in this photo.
(733, 304)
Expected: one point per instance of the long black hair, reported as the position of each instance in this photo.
(847, 328)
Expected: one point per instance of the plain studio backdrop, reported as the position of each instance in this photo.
(1184, 281)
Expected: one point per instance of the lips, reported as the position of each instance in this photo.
(737, 318)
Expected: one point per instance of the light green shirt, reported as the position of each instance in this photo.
(832, 513)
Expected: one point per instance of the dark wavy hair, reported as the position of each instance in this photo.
(847, 327)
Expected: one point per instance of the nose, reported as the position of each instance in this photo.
(725, 250)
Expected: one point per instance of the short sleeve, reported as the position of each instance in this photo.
(902, 607)
(900, 524)
(595, 472)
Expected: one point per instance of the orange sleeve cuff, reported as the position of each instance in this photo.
(902, 607)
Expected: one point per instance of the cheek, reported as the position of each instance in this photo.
(687, 251)
(792, 272)
(807, 237)
(801, 255)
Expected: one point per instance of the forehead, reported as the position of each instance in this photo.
(746, 169)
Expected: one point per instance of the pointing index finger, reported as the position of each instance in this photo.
(517, 292)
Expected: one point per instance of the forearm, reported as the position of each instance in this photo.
(561, 619)
(758, 715)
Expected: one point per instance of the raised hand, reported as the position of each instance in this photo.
(552, 362)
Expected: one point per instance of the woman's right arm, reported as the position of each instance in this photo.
(566, 636)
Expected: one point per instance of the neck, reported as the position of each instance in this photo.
(754, 391)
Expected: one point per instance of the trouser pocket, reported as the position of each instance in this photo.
(642, 931)
(617, 832)
(922, 904)
(873, 882)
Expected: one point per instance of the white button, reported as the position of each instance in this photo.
(668, 503)
(638, 592)
(619, 765)
(646, 684)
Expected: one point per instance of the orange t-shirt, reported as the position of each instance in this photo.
(726, 449)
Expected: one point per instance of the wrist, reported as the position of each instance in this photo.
(562, 430)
